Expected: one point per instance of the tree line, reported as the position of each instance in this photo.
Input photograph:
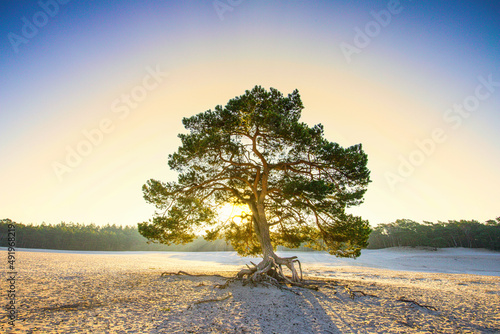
(453, 233)
(75, 236)
(402, 232)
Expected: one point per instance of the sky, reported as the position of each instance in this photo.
(92, 95)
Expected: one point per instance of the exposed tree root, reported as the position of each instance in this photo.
(357, 293)
(226, 284)
(211, 300)
(214, 299)
(187, 274)
(272, 275)
(271, 270)
(403, 299)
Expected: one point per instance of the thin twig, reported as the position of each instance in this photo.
(403, 299)
(214, 299)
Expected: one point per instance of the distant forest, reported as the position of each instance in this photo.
(402, 232)
(463, 233)
(71, 236)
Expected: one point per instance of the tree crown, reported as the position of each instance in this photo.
(256, 152)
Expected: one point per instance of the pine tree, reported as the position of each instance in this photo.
(255, 152)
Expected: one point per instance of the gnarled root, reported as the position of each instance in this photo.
(270, 270)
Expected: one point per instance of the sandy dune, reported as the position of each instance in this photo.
(384, 291)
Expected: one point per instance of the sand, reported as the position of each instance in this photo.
(448, 291)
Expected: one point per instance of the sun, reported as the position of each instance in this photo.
(233, 211)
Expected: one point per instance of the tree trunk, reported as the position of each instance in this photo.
(265, 237)
(270, 263)
(262, 230)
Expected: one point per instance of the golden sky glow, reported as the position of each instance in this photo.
(113, 82)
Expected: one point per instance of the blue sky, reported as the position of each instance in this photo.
(93, 93)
